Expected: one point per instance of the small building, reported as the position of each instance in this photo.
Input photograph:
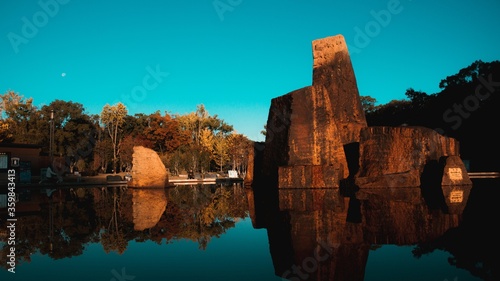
(24, 158)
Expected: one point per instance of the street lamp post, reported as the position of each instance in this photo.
(51, 136)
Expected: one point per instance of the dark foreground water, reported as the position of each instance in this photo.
(215, 232)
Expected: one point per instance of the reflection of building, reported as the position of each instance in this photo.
(25, 158)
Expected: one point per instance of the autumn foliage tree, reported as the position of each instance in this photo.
(238, 147)
(19, 115)
(164, 133)
(113, 117)
(195, 141)
(220, 153)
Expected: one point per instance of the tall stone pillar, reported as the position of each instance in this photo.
(308, 128)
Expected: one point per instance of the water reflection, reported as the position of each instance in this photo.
(60, 222)
(148, 205)
(319, 234)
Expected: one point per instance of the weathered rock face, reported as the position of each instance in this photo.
(317, 136)
(249, 176)
(311, 176)
(397, 156)
(310, 126)
(148, 170)
(254, 168)
(147, 207)
(333, 77)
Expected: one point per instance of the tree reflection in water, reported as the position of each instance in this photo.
(112, 237)
(325, 232)
(205, 211)
(70, 219)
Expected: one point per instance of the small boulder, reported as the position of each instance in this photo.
(148, 171)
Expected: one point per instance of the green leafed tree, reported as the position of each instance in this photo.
(74, 132)
(368, 103)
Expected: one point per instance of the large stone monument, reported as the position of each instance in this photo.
(307, 129)
(148, 171)
(317, 136)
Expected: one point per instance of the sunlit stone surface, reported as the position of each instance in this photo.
(148, 171)
(317, 137)
(398, 156)
(308, 128)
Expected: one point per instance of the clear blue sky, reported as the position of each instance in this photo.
(233, 56)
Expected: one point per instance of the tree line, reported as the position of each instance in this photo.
(466, 108)
(93, 143)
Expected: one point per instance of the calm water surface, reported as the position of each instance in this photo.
(215, 232)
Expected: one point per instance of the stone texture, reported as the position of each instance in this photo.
(148, 171)
(254, 168)
(397, 156)
(249, 176)
(310, 126)
(334, 78)
(312, 176)
(317, 136)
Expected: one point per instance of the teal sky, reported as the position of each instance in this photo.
(233, 56)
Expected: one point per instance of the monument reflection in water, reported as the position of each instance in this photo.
(320, 234)
(255, 233)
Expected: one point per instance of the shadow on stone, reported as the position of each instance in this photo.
(354, 211)
(348, 187)
(431, 186)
